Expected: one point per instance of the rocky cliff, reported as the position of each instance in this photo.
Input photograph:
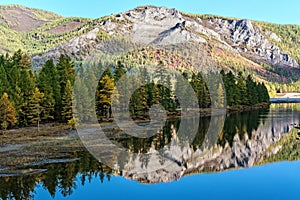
(269, 51)
(230, 43)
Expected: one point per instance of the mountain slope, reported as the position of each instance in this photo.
(23, 19)
(269, 51)
(33, 30)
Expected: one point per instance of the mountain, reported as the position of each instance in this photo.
(269, 51)
(23, 19)
(33, 30)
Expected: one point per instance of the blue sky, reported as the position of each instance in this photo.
(283, 12)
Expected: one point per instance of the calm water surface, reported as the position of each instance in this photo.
(245, 161)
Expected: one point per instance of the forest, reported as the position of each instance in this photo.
(30, 97)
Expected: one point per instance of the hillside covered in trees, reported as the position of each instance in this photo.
(269, 52)
(30, 97)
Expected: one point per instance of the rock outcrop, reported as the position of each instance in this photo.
(164, 26)
(250, 42)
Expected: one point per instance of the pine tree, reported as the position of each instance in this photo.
(200, 88)
(25, 62)
(67, 103)
(266, 97)
(66, 71)
(153, 94)
(48, 83)
(34, 109)
(25, 91)
(82, 107)
(251, 91)
(7, 113)
(119, 72)
(221, 98)
(104, 95)
(231, 90)
(139, 101)
(242, 90)
(4, 86)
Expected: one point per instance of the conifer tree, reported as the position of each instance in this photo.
(26, 90)
(66, 71)
(242, 90)
(251, 91)
(104, 95)
(4, 86)
(34, 108)
(221, 98)
(119, 72)
(7, 113)
(48, 83)
(67, 103)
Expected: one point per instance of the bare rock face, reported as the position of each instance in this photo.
(177, 34)
(160, 16)
(150, 22)
(249, 41)
(165, 26)
(273, 36)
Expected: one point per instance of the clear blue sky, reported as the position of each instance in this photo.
(283, 12)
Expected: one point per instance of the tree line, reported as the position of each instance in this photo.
(29, 97)
(236, 90)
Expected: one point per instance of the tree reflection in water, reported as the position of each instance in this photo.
(62, 176)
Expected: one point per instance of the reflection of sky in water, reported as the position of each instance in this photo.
(272, 181)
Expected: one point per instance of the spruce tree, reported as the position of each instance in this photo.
(66, 71)
(4, 86)
(67, 103)
(26, 90)
(119, 72)
(48, 83)
(251, 91)
(242, 90)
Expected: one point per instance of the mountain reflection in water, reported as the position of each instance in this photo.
(246, 140)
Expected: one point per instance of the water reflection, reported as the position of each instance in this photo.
(58, 177)
(245, 140)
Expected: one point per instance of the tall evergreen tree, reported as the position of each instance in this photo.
(104, 95)
(4, 86)
(66, 71)
(27, 89)
(221, 98)
(67, 103)
(7, 113)
(119, 72)
(251, 91)
(48, 83)
(242, 90)
(34, 108)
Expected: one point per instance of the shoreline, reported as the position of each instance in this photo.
(59, 129)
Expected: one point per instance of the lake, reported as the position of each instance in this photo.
(253, 156)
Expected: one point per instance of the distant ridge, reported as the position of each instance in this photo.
(269, 51)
